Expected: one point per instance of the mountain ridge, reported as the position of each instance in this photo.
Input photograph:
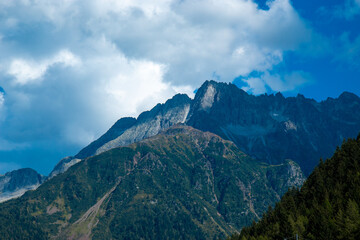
(270, 128)
(255, 122)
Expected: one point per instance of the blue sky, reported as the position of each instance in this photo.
(70, 68)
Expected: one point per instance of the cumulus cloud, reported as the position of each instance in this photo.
(2, 99)
(172, 32)
(277, 83)
(25, 72)
(77, 103)
(71, 68)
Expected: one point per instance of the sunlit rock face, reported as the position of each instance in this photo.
(63, 166)
(149, 123)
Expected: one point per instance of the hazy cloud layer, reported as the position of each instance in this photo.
(71, 68)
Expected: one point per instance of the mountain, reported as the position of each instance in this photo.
(273, 128)
(63, 166)
(16, 183)
(129, 130)
(270, 128)
(326, 207)
(180, 184)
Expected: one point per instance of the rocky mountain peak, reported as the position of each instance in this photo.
(149, 123)
(15, 183)
(271, 128)
(274, 128)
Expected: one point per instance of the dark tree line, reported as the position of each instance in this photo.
(326, 207)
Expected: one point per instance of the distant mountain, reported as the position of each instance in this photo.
(271, 128)
(16, 183)
(180, 184)
(326, 207)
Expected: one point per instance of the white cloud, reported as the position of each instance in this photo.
(25, 72)
(71, 68)
(277, 83)
(2, 99)
(193, 38)
(287, 82)
(255, 86)
(2, 107)
(79, 103)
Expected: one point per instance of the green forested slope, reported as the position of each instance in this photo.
(326, 207)
(181, 184)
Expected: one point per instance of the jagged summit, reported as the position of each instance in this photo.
(270, 128)
(274, 128)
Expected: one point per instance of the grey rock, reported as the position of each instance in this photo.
(16, 183)
(129, 130)
(63, 166)
(115, 131)
(151, 123)
(273, 128)
(270, 128)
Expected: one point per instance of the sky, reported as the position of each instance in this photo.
(70, 68)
